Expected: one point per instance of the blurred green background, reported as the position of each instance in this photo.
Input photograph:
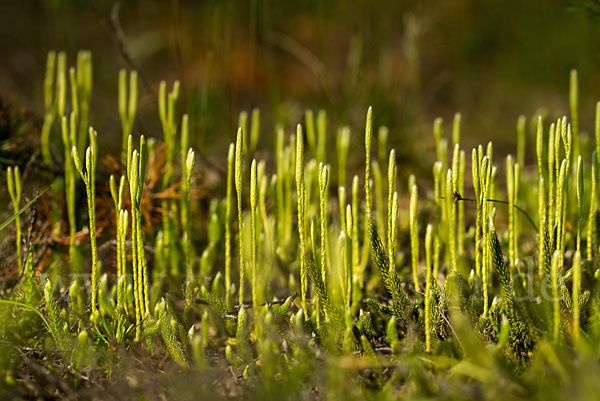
(412, 60)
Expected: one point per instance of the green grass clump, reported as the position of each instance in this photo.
(332, 290)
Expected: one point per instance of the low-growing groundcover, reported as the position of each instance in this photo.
(299, 282)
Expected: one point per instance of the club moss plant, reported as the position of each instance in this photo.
(167, 103)
(69, 138)
(15, 190)
(187, 237)
(50, 103)
(228, 211)
(128, 98)
(238, 189)
(89, 179)
(414, 236)
(122, 219)
(254, 232)
(344, 302)
(136, 168)
(301, 200)
(428, 285)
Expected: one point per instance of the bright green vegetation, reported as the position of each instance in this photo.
(390, 290)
